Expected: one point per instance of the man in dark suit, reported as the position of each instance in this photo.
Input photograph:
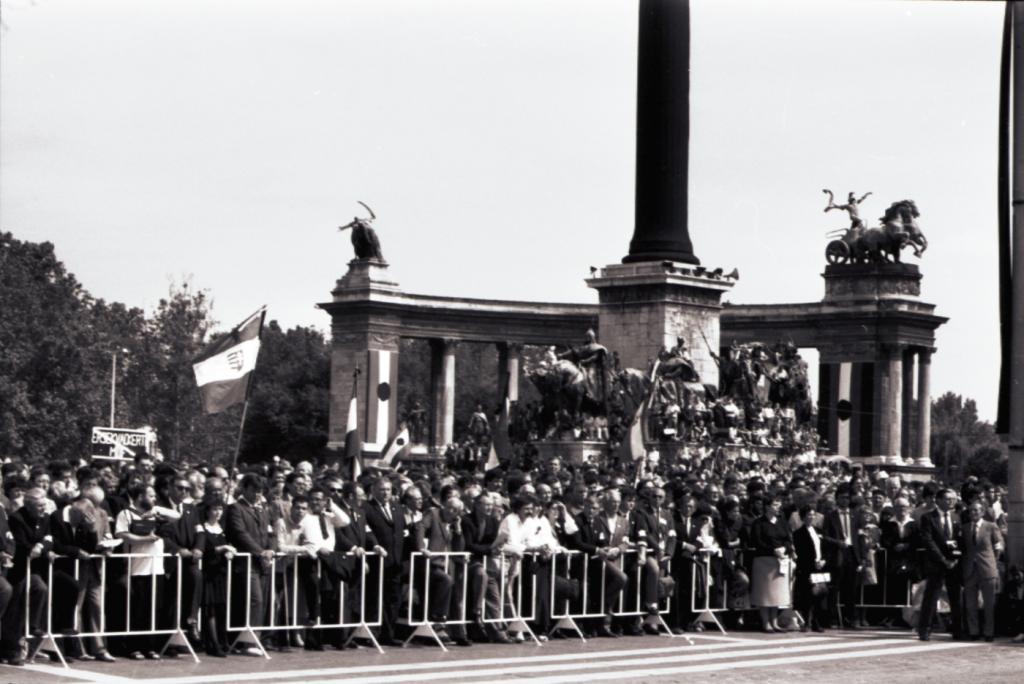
(653, 530)
(386, 519)
(982, 543)
(684, 562)
(357, 538)
(619, 519)
(939, 532)
(437, 534)
(77, 531)
(34, 549)
(354, 540)
(249, 531)
(479, 532)
(180, 538)
(594, 539)
(842, 528)
(10, 651)
(809, 547)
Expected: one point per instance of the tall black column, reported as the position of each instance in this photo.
(662, 134)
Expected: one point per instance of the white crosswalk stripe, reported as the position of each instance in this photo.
(672, 659)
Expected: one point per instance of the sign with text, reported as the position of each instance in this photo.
(121, 444)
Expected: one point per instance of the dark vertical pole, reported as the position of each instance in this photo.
(1003, 228)
(1015, 478)
(662, 134)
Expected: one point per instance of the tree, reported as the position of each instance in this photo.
(290, 395)
(49, 396)
(161, 386)
(56, 343)
(963, 445)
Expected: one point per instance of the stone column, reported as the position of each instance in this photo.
(924, 408)
(662, 134)
(367, 338)
(442, 382)
(376, 356)
(888, 403)
(509, 356)
(907, 447)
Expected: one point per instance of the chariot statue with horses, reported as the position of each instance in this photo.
(860, 244)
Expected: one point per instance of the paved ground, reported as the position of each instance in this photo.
(741, 657)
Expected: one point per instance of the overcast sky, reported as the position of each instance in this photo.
(224, 141)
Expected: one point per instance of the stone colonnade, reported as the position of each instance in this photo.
(895, 402)
(867, 407)
(442, 385)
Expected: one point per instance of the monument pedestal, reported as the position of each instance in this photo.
(364, 277)
(871, 282)
(370, 342)
(647, 306)
(575, 452)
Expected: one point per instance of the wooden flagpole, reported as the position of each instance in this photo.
(248, 390)
(241, 431)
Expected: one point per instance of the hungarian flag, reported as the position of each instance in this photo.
(353, 440)
(224, 369)
(501, 447)
(398, 444)
(632, 447)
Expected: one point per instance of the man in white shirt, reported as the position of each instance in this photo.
(318, 534)
(137, 526)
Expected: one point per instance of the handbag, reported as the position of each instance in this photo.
(819, 583)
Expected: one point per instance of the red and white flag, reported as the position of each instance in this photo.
(397, 445)
(501, 446)
(353, 440)
(224, 369)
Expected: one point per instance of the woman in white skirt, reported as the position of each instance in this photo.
(773, 551)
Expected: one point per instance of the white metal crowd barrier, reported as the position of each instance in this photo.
(510, 596)
(176, 636)
(268, 621)
(421, 624)
(565, 617)
(882, 571)
(706, 613)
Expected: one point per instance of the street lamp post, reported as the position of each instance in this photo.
(113, 382)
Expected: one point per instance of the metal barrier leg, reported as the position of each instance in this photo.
(510, 587)
(179, 638)
(566, 621)
(362, 630)
(708, 617)
(48, 638)
(425, 629)
(247, 631)
(704, 614)
(658, 622)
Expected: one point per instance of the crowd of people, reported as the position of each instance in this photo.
(750, 540)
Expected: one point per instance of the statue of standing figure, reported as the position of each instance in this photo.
(590, 357)
(364, 237)
(851, 207)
